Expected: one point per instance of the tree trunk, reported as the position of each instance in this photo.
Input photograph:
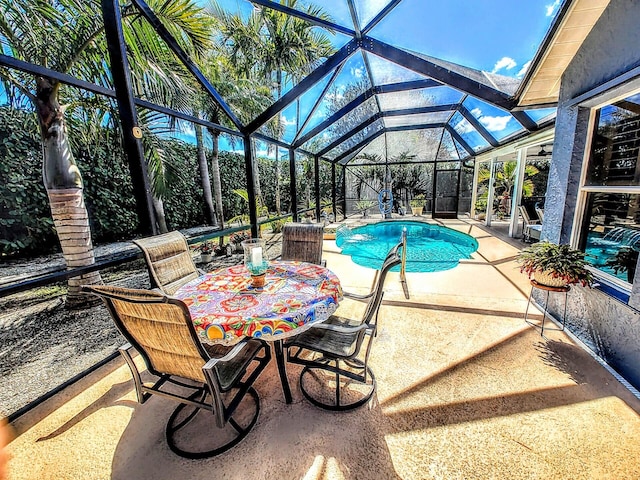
(204, 177)
(277, 135)
(256, 172)
(277, 193)
(215, 173)
(64, 186)
(158, 207)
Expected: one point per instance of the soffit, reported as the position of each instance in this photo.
(543, 86)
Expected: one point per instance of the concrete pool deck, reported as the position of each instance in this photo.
(466, 390)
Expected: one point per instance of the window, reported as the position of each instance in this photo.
(611, 228)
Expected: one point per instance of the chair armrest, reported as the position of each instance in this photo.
(229, 356)
(355, 296)
(340, 328)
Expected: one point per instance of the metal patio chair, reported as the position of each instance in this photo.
(323, 348)
(303, 242)
(212, 378)
(168, 260)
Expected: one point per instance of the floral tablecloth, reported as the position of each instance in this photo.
(225, 307)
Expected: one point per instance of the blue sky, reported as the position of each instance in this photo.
(490, 35)
(499, 36)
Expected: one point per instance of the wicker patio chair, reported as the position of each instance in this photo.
(303, 242)
(168, 260)
(214, 378)
(322, 348)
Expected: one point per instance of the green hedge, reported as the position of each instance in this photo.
(26, 226)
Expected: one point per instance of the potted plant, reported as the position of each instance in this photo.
(417, 204)
(219, 250)
(481, 208)
(554, 265)
(236, 240)
(363, 206)
(329, 233)
(625, 259)
(206, 249)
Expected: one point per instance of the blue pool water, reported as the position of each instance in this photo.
(430, 248)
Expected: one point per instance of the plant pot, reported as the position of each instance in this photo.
(546, 278)
(416, 210)
(205, 257)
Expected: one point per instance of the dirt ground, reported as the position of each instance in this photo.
(43, 344)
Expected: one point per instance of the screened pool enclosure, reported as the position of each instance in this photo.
(368, 113)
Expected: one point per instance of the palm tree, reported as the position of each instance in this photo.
(277, 46)
(248, 97)
(67, 36)
(506, 176)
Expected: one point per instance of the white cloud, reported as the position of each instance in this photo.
(552, 8)
(285, 121)
(494, 124)
(463, 126)
(357, 72)
(523, 70)
(505, 62)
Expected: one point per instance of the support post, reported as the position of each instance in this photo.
(344, 191)
(334, 202)
(492, 181)
(292, 184)
(251, 186)
(474, 189)
(316, 181)
(128, 117)
(517, 191)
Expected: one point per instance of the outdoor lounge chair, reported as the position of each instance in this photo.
(303, 242)
(322, 348)
(161, 330)
(168, 260)
(531, 228)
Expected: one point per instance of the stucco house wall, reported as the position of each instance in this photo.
(610, 327)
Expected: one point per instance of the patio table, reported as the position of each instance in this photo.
(225, 307)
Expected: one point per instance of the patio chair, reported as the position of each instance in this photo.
(303, 242)
(213, 378)
(322, 348)
(168, 260)
(531, 228)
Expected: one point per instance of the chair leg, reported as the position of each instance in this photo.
(347, 384)
(237, 432)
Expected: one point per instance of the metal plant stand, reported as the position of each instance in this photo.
(565, 289)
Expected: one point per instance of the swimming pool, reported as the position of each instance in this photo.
(430, 248)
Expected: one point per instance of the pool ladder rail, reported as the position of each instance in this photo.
(403, 265)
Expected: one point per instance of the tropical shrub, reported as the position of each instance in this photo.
(560, 261)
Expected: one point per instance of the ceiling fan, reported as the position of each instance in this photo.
(543, 152)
